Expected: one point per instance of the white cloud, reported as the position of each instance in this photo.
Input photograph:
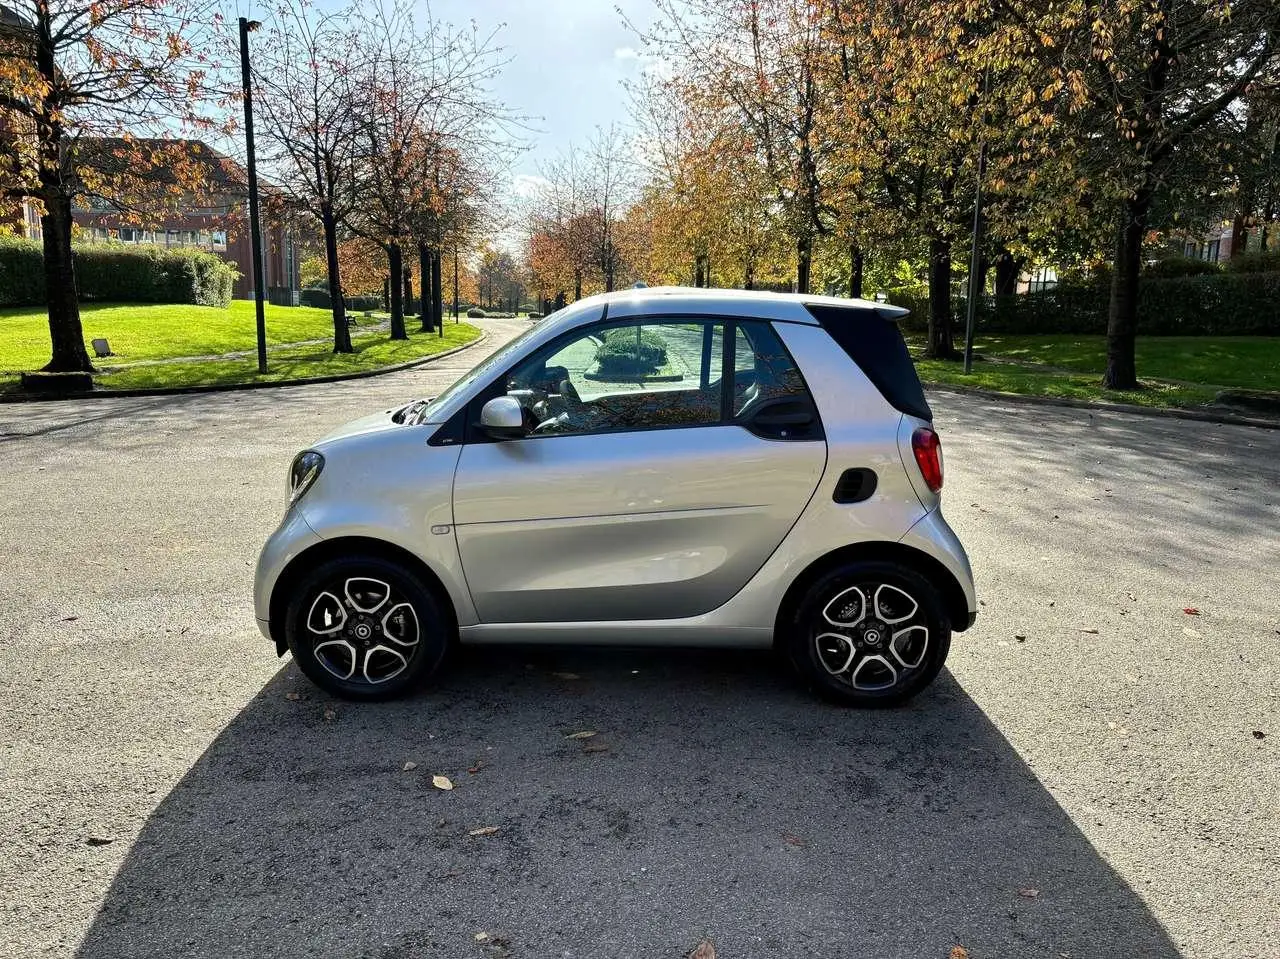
(627, 53)
(528, 184)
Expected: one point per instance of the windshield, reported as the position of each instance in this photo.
(485, 367)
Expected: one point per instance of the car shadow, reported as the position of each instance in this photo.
(713, 798)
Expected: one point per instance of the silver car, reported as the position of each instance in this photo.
(655, 466)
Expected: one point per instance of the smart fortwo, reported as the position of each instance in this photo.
(675, 466)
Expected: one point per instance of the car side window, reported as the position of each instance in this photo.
(624, 376)
(763, 371)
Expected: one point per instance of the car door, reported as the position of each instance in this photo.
(670, 458)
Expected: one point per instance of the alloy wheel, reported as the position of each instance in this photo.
(872, 636)
(361, 631)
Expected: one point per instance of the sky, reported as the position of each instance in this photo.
(567, 63)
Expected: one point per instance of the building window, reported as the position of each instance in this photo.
(1211, 252)
(219, 239)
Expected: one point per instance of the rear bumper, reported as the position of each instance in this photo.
(934, 536)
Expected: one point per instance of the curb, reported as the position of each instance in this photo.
(1203, 416)
(18, 397)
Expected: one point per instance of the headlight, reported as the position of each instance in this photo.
(303, 474)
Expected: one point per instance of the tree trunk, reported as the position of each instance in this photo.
(1239, 234)
(424, 268)
(408, 289)
(941, 346)
(396, 266)
(749, 276)
(577, 285)
(1007, 269)
(437, 292)
(804, 261)
(1122, 315)
(855, 271)
(65, 331)
(697, 271)
(341, 332)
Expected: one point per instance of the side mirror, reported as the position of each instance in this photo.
(503, 419)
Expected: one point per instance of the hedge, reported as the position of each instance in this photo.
(313, 296)
(119, 274)
(621, 353)
(1224, 304)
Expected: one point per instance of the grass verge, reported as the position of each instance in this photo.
(1175, 371)
(156, 331)
(293, 362)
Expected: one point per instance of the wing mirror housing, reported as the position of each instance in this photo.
(503, 419)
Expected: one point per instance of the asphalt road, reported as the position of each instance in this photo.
(1095, 775)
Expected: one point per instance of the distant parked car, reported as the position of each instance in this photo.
(653, 466)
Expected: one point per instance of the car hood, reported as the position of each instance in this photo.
(374, 423)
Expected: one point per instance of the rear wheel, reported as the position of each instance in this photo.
(870, 634)
(365, 628)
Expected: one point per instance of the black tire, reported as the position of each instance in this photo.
(369, 639)
(892, 648)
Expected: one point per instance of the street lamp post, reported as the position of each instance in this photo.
(255, 225)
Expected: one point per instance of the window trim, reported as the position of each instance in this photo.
(463, 427)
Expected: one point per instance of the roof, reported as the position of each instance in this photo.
(764, 302)
(11, 18)
(215, 170)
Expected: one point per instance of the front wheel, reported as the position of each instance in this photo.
(870, 634)
(365, 628)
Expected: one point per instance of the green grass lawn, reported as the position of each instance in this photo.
(1250, 362)
(1175, 371)
(151, 331)
(294, 362)
(154, 331)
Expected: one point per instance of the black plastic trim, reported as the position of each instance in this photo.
(855, 485)
(876, 345)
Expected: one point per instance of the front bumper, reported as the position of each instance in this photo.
(291, 538)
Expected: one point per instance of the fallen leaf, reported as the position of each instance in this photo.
(595, 748)
(792, 839)
(585, 734)
(480, 764)
(706, 949)
(410, 765)
(1050, 602)
(958, 952)
(1191, 611)
(1259, 734)
(1029, 893)
(484, 831)
(100, 840)
(293, 697)
(69, 619)
(481, 936)
(566, 675)
(442, 782)
(1021, 639)
(1093, 631)
(1132, 598)
(330, 715)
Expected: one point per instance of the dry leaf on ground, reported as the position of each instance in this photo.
(706, 949)
(293, 697)
(410, 765)
(484, 831)
(330, 715)
(1029, 893)
(585, 734)
(1191, 611)
(442, 782)
(1092, 631)
(958, 952)
(792, 839)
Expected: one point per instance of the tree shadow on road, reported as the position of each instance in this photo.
(715, 799)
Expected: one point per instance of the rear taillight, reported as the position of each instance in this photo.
(928, 450)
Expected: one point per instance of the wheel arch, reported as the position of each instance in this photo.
(347, 546)
(953, 595)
